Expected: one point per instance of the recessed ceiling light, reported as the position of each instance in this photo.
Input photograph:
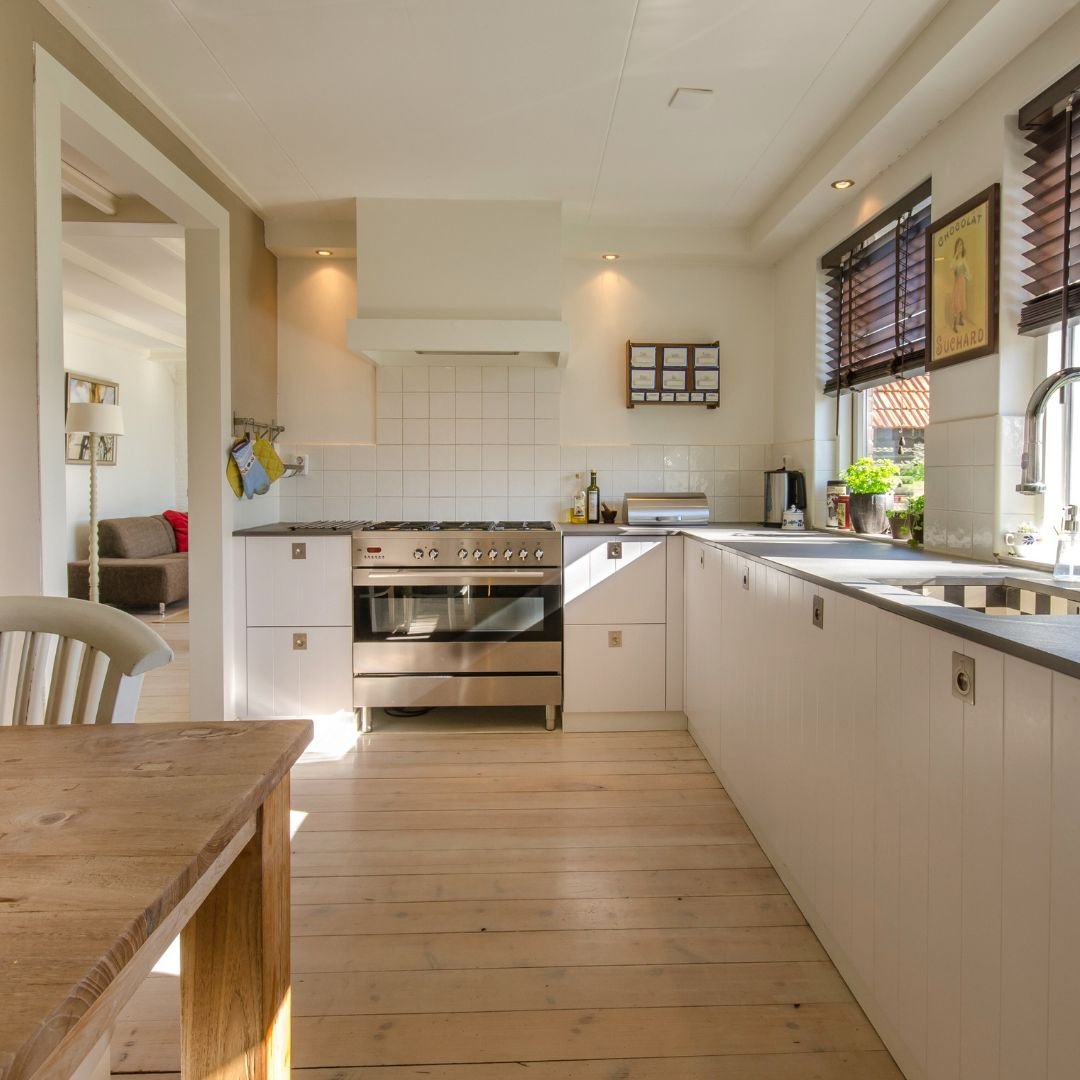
(843, 185)
(323, 251)
(610, 256)
(690, 97)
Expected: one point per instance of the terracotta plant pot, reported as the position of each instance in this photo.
(868, 513)
(899, 527)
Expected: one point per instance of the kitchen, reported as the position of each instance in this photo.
(758, 725)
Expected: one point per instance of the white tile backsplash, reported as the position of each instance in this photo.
(463, 442)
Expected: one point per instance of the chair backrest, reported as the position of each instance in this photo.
(65, 661)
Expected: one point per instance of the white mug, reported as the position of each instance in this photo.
(1018, 542)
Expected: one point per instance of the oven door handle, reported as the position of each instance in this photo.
(455, 577)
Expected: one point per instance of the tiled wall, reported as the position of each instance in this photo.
(971, 465)
(466, 443)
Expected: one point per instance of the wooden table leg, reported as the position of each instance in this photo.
(234, 962)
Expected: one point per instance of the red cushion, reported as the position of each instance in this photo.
(178, 519)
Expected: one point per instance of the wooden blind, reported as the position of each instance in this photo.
(1053, 208)
(876, 301)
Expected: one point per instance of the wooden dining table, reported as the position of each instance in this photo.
(114, 840)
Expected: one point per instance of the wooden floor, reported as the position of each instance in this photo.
(164, 696)
(562, 907)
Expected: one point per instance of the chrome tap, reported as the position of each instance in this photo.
(1033, 461)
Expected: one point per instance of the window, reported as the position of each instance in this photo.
(876, 298)
(892, 420)
(1053, 208)
(1056, 497)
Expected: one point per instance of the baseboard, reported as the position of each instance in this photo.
(623, 721)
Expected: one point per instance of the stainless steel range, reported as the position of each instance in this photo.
(456, 613)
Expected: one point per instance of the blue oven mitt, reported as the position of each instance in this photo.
(252, 474)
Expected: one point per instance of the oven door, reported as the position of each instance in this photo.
(457, 621)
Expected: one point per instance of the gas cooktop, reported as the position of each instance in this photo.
(456, 526)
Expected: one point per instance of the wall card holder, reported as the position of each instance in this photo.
(672, 373)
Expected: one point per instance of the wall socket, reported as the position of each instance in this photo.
(614, 639)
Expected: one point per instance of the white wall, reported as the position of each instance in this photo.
(143, 481)
(325, 393)
(500, 442)
(976, 146)
(605, 304)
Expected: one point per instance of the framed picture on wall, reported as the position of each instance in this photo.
(962, 267)
(89, 388)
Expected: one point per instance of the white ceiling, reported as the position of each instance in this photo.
(309, 101)
(126, 286)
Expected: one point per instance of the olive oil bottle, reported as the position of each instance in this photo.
(592, 500)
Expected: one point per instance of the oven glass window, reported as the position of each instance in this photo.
(456, 612)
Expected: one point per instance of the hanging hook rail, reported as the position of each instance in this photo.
(260, 428)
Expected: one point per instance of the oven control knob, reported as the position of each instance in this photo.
(418, 553)
(477, 555)
(493, 555)
(463, 553)
(539, 553)
(433, 554)
(523, 554)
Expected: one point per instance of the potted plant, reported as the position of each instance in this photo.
(916, 519)
(869, 483)
(898, 522)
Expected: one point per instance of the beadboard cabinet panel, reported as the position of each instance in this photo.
(601, 678)
(286, 680)
(1025, 898)
(932, 843)
(945, 799)
(1064, 1005)
(299, 582)
(600, 589)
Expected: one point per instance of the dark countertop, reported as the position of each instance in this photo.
(290, 528)
(868, 570)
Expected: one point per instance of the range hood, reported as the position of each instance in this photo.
(444, 282)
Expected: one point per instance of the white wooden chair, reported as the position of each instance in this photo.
(66, 661)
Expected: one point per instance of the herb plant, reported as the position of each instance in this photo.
(869, 477)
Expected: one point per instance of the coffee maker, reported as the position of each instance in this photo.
(784, 488)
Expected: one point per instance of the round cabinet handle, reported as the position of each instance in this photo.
(963, 683)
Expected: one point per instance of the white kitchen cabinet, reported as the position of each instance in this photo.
(931, 843)
(623, 632)
(600, 586)
(299, 671)
(702, 688)
(298, 591)
(601, 677)
(299, 581)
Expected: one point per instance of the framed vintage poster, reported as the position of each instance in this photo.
(643, 356)
(675, 356)
(89, 388)
(672, 373)
(675, 380)
(706, 356)
(643, 378)
(962, 268)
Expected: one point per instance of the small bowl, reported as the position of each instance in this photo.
(608, 516)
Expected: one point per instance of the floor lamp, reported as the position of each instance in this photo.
(94, 419)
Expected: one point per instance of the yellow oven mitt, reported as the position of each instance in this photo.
(268, 458)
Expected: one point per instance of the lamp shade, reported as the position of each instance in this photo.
(91, 416)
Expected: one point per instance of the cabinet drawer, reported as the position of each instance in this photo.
(599, 678)
(284, 680)
(600, 589)
(302, 581)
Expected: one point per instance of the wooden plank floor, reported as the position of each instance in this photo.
(562, 907)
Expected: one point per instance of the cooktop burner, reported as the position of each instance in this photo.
(458, 526)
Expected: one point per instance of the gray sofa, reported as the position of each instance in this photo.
(139, 564)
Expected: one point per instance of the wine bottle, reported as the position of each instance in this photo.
(592, 496)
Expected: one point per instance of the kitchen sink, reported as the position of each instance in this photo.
(995, 595)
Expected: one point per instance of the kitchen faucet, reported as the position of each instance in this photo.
(1033, 461)
(1033, 464)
